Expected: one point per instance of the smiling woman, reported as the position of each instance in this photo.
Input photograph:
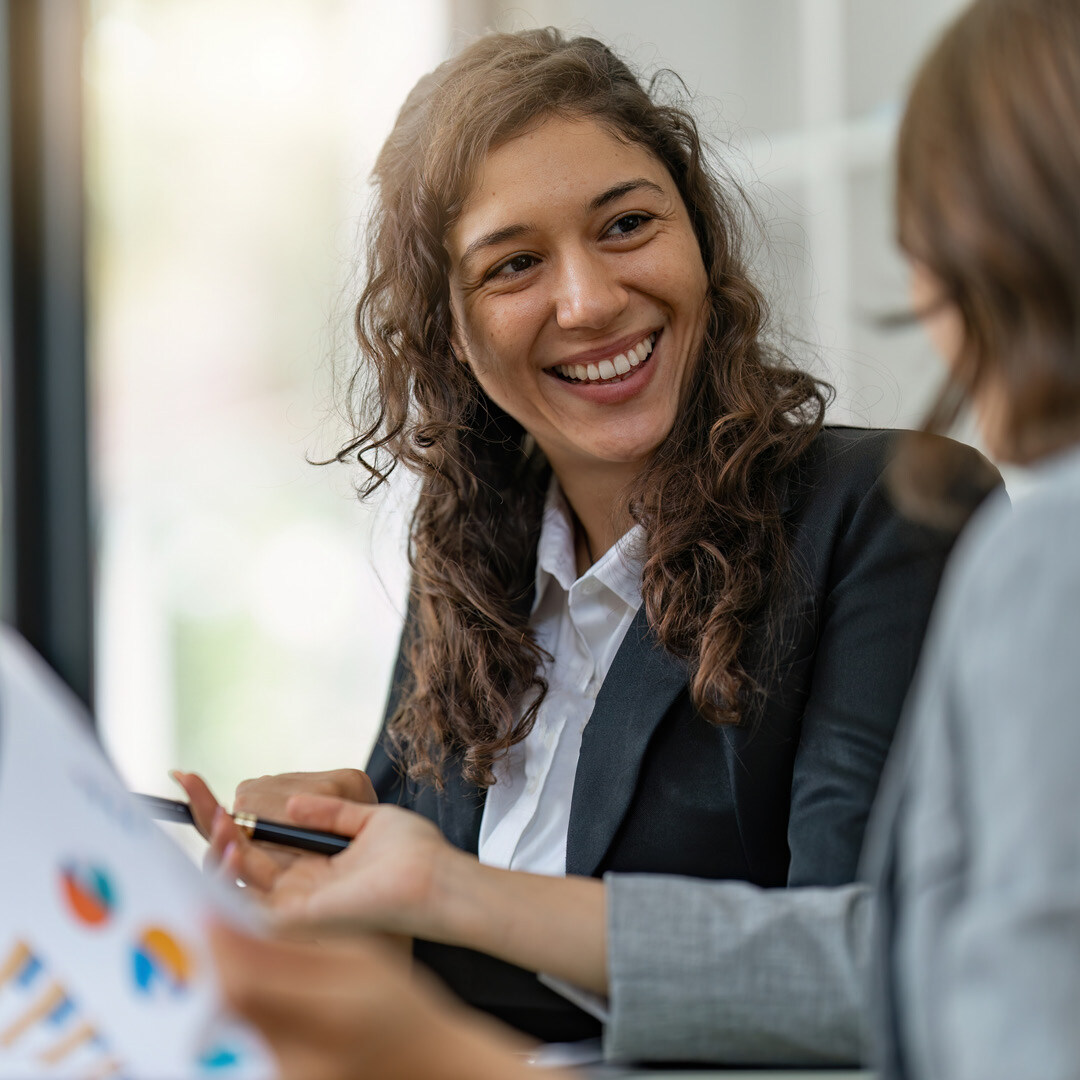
(661, 620)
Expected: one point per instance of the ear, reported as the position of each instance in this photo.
(457, 348)
(457, 343)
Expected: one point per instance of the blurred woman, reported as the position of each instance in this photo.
(977, 837)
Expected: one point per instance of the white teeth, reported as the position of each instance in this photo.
(609, 369)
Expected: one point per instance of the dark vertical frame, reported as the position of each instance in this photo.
(46, 583)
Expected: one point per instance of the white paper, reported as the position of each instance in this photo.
(105, 972)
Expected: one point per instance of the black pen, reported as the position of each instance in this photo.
(322, 843)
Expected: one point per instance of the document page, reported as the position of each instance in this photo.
(105, 971)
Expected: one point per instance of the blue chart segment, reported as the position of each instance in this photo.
(29, 969)
(160, 964)
(62, 1012)
(219, 1057)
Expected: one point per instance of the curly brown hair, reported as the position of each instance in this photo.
(710, 496)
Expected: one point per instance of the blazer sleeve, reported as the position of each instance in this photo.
(882, 578)
(723, 971)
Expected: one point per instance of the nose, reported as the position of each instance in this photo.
(588, 293)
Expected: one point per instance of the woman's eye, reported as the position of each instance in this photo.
(628, 223)
(517, 265)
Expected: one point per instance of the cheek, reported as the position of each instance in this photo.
(497, 339)
(674, 273)
(940, 319)
(945, 328)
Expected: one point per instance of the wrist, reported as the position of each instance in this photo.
(453, 898)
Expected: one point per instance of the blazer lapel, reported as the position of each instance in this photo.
(642, 683)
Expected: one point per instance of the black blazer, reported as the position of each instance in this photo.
(782, 801)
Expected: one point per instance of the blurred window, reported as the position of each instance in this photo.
(248, 607)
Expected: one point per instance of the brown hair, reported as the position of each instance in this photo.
(709, 499)
(988, 199)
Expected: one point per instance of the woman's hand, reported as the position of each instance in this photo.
(400, 876)
(349, 1011)
(266, 796)
(394, 877)
(216, 825)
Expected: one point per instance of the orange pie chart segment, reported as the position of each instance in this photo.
(88, 892)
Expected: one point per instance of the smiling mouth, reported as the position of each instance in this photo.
(608, 371)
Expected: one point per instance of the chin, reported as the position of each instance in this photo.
(626, 451)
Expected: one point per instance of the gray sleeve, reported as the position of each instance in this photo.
(723, 971)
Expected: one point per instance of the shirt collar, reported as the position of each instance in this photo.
(619, 568)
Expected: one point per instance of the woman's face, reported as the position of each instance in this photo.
(944, 325)
(578, 292)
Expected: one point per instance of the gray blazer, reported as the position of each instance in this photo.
(976, 837)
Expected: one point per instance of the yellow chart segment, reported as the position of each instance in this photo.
(14, 962)
(42, 1007)
(108, 1068)
(83, 1033)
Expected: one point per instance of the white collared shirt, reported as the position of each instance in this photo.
(581, 622)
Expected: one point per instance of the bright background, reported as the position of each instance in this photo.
(248, 605)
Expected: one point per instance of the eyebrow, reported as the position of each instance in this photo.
(493, 239)
(512, 232)
(625, 188)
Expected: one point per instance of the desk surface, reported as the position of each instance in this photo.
(586, 1058)
(604, 1072)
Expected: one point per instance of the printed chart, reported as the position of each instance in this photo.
(43, 1026)
(105, 971)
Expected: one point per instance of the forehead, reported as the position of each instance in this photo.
(547, 172)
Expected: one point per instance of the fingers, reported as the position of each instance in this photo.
(256, 868)
(258, 976)
(254, 973)
(266, 796)
(351, 1011)
(242, 860)
(200, 799)
(223, 832)
(330, 814)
